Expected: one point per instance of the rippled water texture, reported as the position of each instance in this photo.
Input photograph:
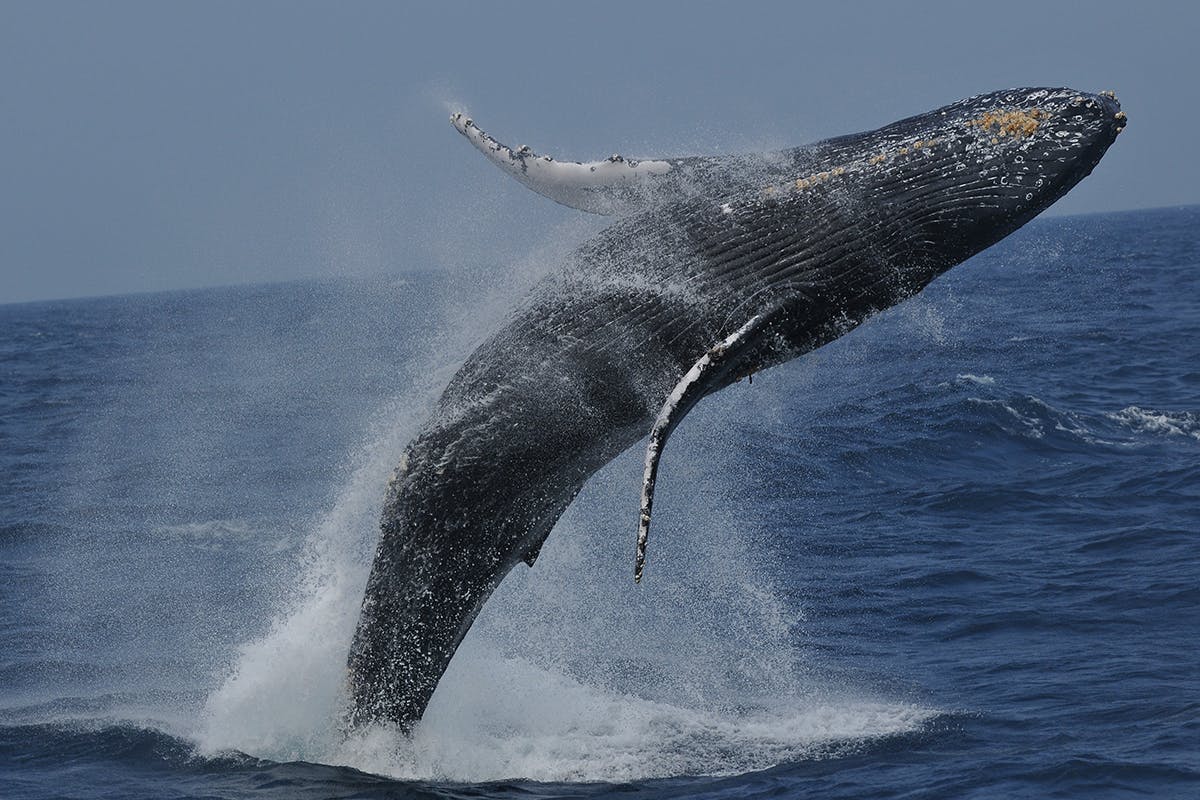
(954, 554)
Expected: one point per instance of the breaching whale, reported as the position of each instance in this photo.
(715, 268)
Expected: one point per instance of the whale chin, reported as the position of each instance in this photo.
(715, 268)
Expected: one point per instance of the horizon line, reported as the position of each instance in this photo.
(1041, 219)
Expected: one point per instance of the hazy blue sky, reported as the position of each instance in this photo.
(163, 145)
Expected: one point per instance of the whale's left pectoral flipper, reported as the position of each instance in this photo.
(695, 384)
(614, 185)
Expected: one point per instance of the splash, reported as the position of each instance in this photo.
(571, 673)
(283, 697)
(549, 726)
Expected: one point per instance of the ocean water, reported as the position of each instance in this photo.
(954, 554)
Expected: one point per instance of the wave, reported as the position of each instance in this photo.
(1140, 420)
(1027, 416)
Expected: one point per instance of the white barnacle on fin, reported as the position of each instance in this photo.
(613, 185)
(691, 388)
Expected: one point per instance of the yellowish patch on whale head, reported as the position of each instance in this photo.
(1017, 123)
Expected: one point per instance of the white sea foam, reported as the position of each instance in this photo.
(512, 718)
(1171, 423)
(978, 380)
(1031, 424)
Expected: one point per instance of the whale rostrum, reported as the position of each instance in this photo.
(713, 268)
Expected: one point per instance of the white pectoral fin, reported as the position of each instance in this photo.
(611, 186)
(691, 388)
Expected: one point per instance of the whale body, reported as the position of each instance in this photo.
(714, 268)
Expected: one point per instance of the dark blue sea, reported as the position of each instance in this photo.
(954, 554)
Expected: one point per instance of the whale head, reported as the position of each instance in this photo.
(912, 199)
(973, 172)
(1015, 153)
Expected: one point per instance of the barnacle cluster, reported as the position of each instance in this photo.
(820, 177)
(1018, 123)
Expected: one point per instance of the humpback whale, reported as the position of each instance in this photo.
(712, 269)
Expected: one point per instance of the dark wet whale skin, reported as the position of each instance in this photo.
(837, 232)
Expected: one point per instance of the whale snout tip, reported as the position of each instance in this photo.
(1102, 106)
(1111, 107)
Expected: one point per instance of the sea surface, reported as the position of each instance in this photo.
(954, 554)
